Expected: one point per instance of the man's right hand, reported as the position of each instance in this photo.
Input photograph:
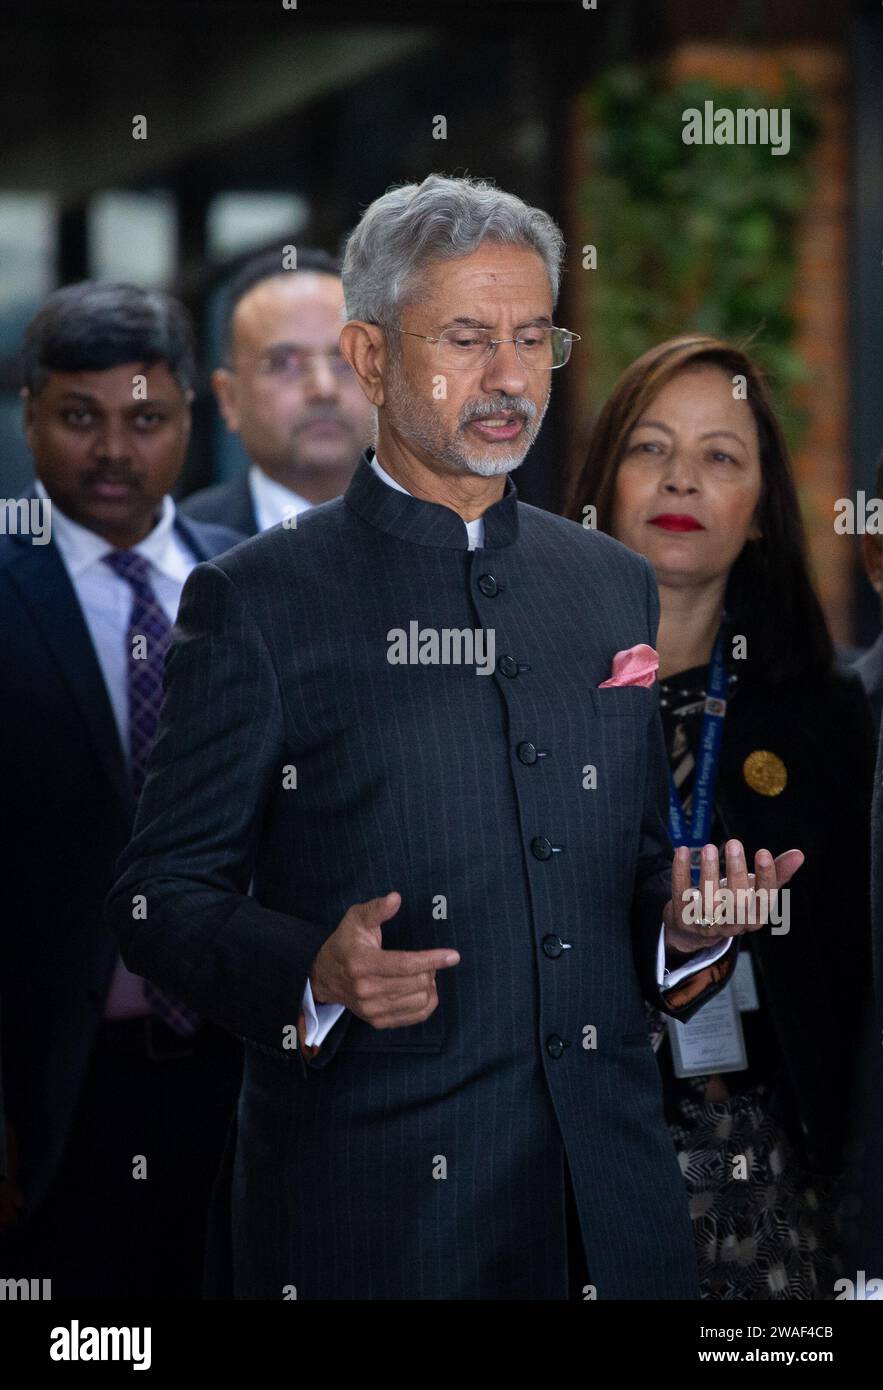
(388, 989)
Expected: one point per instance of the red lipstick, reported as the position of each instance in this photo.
(676, 521)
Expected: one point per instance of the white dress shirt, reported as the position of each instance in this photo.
(106, 602)
(474, 529)
(321, 1018)
(271, 500)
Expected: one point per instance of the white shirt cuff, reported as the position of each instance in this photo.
(667, 979)
(320, 1018)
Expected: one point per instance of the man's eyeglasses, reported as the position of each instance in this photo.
(293, 363)
(460, 348)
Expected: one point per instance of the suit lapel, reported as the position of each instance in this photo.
(49, 596)
(47, 591)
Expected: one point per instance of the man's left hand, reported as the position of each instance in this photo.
(682, 930)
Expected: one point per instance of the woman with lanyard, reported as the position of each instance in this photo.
(767, 744)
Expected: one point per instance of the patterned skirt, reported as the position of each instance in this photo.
(765, 1228)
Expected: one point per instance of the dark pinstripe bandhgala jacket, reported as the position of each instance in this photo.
(428, 1161)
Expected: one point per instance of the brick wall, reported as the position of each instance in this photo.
(823, 464)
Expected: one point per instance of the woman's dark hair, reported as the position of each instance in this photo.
(769, 596)
(92, 326)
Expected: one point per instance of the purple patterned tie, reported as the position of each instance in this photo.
(147, 642)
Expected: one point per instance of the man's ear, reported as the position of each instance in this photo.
(364, 347)
(226, 391)
(872, 555)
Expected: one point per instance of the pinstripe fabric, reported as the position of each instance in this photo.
(409, 778)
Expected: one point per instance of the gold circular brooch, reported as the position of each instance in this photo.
(765, 772)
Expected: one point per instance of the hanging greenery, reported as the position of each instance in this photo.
(691, 236)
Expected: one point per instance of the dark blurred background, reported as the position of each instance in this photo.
(267, 124)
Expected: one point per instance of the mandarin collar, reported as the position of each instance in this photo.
(426, 523)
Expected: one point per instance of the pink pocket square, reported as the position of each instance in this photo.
(634, 666)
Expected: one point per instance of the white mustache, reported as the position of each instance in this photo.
(524, 409)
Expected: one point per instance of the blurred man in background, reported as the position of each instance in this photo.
(870, 664)
(117, 1099)
(288, 393)
(864, 1188)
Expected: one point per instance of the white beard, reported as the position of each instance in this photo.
(418, 423)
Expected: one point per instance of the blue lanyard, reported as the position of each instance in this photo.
(696, 834)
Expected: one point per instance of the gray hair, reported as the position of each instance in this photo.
(438, 219)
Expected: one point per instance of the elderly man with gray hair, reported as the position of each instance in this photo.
(430, 896)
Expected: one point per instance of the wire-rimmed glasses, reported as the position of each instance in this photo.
(464, 347)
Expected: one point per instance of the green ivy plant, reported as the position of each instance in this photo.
(691, 237)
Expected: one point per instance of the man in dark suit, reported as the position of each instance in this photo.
(867, 1147)
(863, 1190)
(399, 836)
(118, 1099)
(287, 392)
(870, 664)
(4, 1156)
(866, 1189)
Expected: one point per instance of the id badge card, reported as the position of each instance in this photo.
(744, 986)
(712, 1041)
